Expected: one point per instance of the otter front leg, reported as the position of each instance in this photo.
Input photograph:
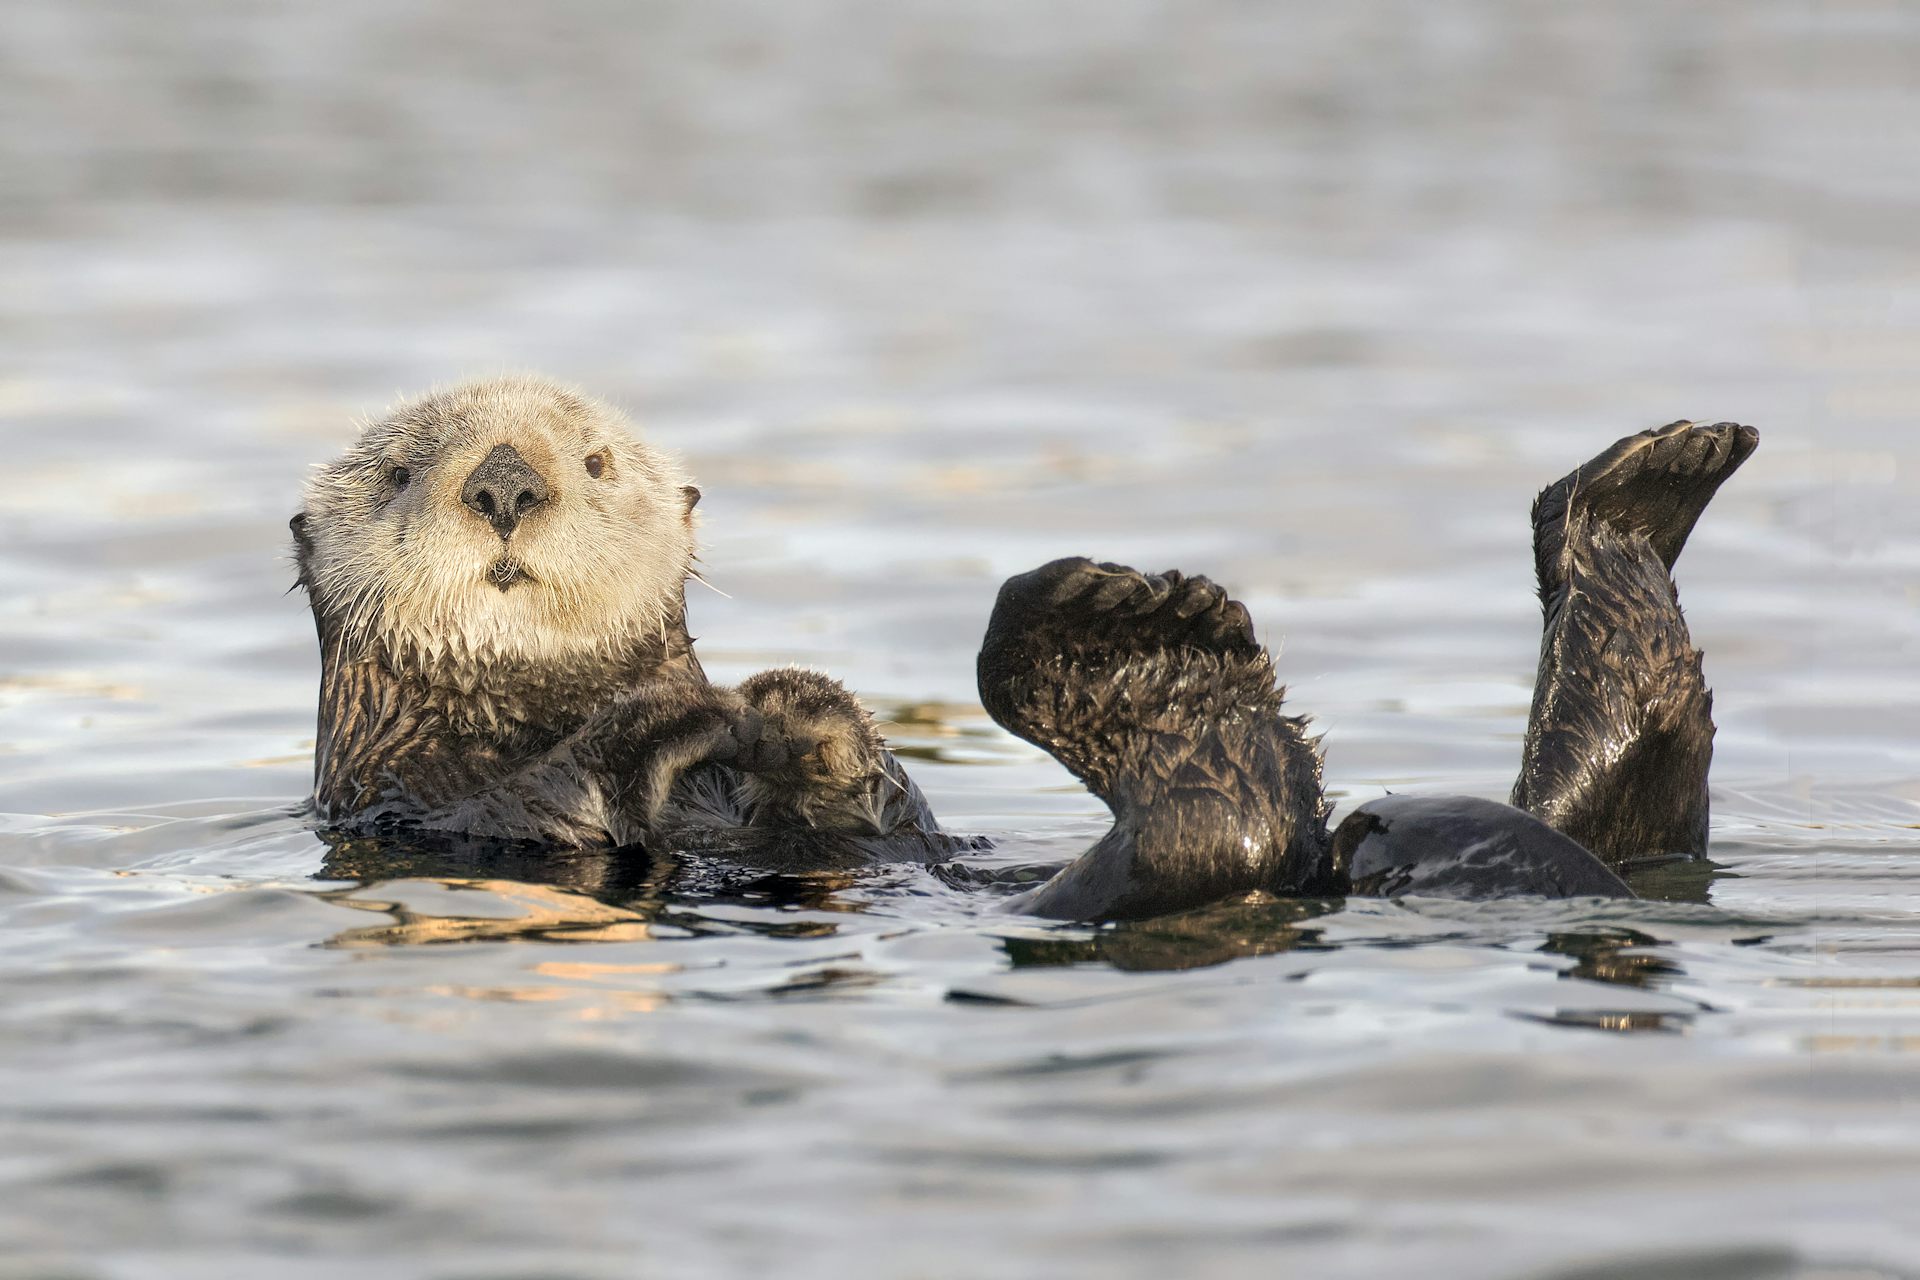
(607, 782)
(839, 775)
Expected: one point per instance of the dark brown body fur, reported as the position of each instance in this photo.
(655, 757)
(1153, 690)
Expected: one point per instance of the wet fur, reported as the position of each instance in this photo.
(1153, 691)
(1620, 736)
(569, 709)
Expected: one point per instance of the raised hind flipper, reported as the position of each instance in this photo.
(1153, 691)
(1621, 732)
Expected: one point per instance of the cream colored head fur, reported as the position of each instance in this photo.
(393, 555)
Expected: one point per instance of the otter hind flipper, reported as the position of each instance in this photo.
(1153, 690)
(1620, 736)
(1072, 642)
(1653, 485)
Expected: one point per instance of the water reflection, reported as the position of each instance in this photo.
(1612, 955)
(1676, 879)
(520, 893)
(547, 914)
(1253, 926)
(613, 876)
(609, 895)
(945, 733)
(1671, 1021)
(1618, 957)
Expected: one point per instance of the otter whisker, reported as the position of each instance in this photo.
(696, 576)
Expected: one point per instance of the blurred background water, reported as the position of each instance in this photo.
(1311, 298)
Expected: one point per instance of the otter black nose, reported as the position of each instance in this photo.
(503, 488)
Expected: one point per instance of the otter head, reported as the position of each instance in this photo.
(504, 522)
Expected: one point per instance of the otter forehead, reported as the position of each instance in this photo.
(449, 431)
(533, 414)
(510, 516)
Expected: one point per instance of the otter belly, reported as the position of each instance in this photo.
(1464, 847)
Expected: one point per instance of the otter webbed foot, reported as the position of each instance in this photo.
(1652, 485)
(835, 773)
(1154, 691)
(1070, 643)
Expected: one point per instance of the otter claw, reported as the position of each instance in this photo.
(748, 744)
(746, 729)
(768, 753)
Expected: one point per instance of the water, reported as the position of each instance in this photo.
(1309, 299)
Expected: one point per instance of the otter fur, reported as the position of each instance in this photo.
(1152, 689)
(497, 575)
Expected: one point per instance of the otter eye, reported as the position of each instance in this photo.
(596, 463)
(399, 476)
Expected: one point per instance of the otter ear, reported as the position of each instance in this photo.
(302, 544)
(692, 496)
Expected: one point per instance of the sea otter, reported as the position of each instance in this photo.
(497, 577)
(1153, 691)
(497, 574)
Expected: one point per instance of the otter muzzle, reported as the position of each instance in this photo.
(502, 489)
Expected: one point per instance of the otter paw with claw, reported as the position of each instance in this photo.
(829, 735)
(753, 744)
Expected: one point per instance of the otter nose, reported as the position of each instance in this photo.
(503, 488)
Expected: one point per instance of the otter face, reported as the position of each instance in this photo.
(504, 519)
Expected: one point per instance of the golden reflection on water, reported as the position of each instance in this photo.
(941, 719)
(1601, 1020)
(579, 896)
(1858, 1044)
(600, 1004)
(1615, 956)
(586, 971)
(277, 762)
(548, 914)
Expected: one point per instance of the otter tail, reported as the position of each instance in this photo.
(1621, 732)
(1153, 691)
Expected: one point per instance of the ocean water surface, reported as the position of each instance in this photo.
(1309, 302)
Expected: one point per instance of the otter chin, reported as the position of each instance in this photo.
(508, 572)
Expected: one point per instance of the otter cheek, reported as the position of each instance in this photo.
(460, 546)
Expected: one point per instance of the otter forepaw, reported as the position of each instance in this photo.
(829, 738)
(749, 743)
